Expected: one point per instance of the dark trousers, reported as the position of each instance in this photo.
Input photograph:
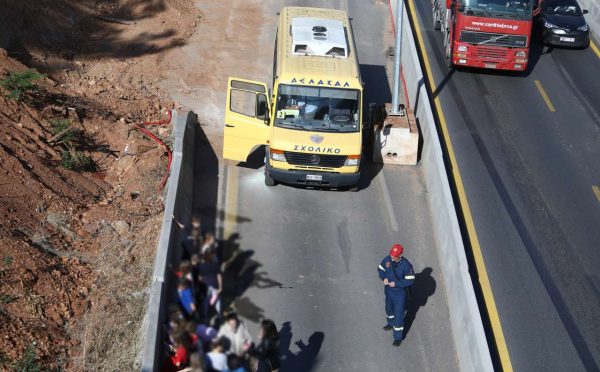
(394, 311)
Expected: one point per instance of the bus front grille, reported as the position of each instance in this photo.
(328, 161)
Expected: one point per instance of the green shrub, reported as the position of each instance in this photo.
(7, 299)
(7, 260)
(77, 161)
(4, 361)
(58, 125)
(28, 362)
(19, 83)
(62, 125)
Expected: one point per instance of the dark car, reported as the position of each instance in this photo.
(563, 24)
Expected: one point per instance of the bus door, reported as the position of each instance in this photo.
(246, 118)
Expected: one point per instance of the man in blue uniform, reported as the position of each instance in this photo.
(397, 274)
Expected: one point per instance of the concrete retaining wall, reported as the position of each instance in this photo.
(179, 203)
(467, 328)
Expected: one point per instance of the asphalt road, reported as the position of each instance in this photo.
(529, 174)
(308, 258)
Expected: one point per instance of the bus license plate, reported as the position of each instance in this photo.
(314, 177)
(568, 39)
(490, 65)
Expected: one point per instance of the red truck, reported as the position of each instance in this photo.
(494, 34)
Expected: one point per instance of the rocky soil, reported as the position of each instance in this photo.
(77, 242)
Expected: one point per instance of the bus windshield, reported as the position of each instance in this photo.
(508, 9)
(317, 108)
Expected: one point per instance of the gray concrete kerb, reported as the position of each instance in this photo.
(177, 191)
(466, 323)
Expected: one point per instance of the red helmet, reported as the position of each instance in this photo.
(396, 250)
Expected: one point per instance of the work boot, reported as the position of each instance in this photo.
(387, 327)
(396, 343)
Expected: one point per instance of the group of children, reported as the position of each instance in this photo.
(193, 341)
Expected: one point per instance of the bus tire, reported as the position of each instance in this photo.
(269, 181)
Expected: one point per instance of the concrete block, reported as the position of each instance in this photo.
(396, 139)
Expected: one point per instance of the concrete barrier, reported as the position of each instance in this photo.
(593, 17)
(465, 320)
(179, 203)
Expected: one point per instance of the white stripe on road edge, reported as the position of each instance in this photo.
(381, 268)
(388, 201)
(409, 277)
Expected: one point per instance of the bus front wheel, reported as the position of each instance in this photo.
(269, 181)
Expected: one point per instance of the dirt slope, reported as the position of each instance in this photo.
(77, 247)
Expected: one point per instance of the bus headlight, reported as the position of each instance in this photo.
(463, 48)
(277, 155)
(352, 160)
(521, 54)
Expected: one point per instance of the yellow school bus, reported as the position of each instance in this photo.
(310, 117)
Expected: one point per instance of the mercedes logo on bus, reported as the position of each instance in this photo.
(316, 138)
(314, 159)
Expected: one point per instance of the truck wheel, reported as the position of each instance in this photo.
(449, 63)
(269, 181)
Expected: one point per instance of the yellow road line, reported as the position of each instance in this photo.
(484, 281)
(542, 91)
(595, 48)
(596, 191)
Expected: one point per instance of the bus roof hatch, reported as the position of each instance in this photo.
(318, 37)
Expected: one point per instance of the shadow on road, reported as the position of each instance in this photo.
(421, 290)
(377, 87)
(306, 358)
(255, 160)
(241, 273)
(247, 309)
(206, 180)
(92, 29)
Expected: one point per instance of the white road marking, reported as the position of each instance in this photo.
(388, 201)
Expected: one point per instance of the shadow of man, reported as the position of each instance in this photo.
(421, 290)
(285, 340)
(304, 360)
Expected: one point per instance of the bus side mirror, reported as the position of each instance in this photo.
(262, 108)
